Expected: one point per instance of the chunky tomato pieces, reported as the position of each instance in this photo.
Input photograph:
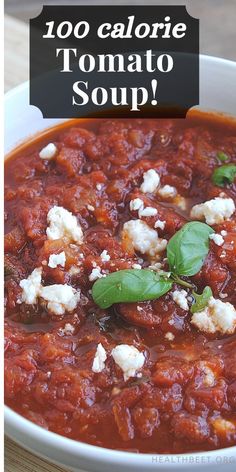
(183, 398)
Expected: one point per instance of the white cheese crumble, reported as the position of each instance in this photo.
(74, 270)
(207, 373)
(96, 274)
(99, 187)
(57, 259)
(31, 287)
(143, 238)
(223, 233)
(160, 224)
(137, 266)
(151, 180)
(148, 211)
(48, 152)
(217, 238)
(68, 330)
(105, 256)
(99, 359)
(217, 316)
(223, 295)
(60, 298)
(167, 191)
(169, 336)
(62, 223)
(90, 207)
(129, 359)
(214, 211)
(180, 298)
(136, 204)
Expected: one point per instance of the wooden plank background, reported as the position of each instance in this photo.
(16, 52)
(18, 459)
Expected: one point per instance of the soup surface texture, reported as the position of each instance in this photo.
(90, 198)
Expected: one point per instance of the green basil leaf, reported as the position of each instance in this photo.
(131, 285)
(188, 248)
(224, 175)
(201, 301)
(222, 156)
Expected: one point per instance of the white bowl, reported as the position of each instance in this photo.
(217, 81)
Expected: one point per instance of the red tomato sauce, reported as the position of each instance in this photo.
(185, 399)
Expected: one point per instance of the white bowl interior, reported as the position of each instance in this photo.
(217, 79)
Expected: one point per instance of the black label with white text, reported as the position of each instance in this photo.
(111, 61)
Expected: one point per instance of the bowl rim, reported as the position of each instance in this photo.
(19, 428)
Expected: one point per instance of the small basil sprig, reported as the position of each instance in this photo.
(186, 252)
(201, 300)
(222, 156)
(129, 285)
(224, 175)
(188, 248)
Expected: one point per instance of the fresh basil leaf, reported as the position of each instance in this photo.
(188, 248)
(201, 300)
(224, 175)
(131, 285)
(222, 156)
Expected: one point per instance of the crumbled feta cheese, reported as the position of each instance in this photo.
(169, 336)
(223, 295)
(143, 238)
(62, 223)
(136, 204)
(223, 233)
(68, 330)
(207, 373)
(57, 259)
(223, 254)
(217, 238)
(31, 287)
(180, 298)
(167, 191)
(214, 211)
(151, 180)
(99, 359)
(74, 270)
(96, 274)
(105, 256)
(160, 224)
(90, 207)
(148, 211)
(60, 298)
(136, 266)
(217, 316)
(128, 358)
(48, 152)
(99, 187)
